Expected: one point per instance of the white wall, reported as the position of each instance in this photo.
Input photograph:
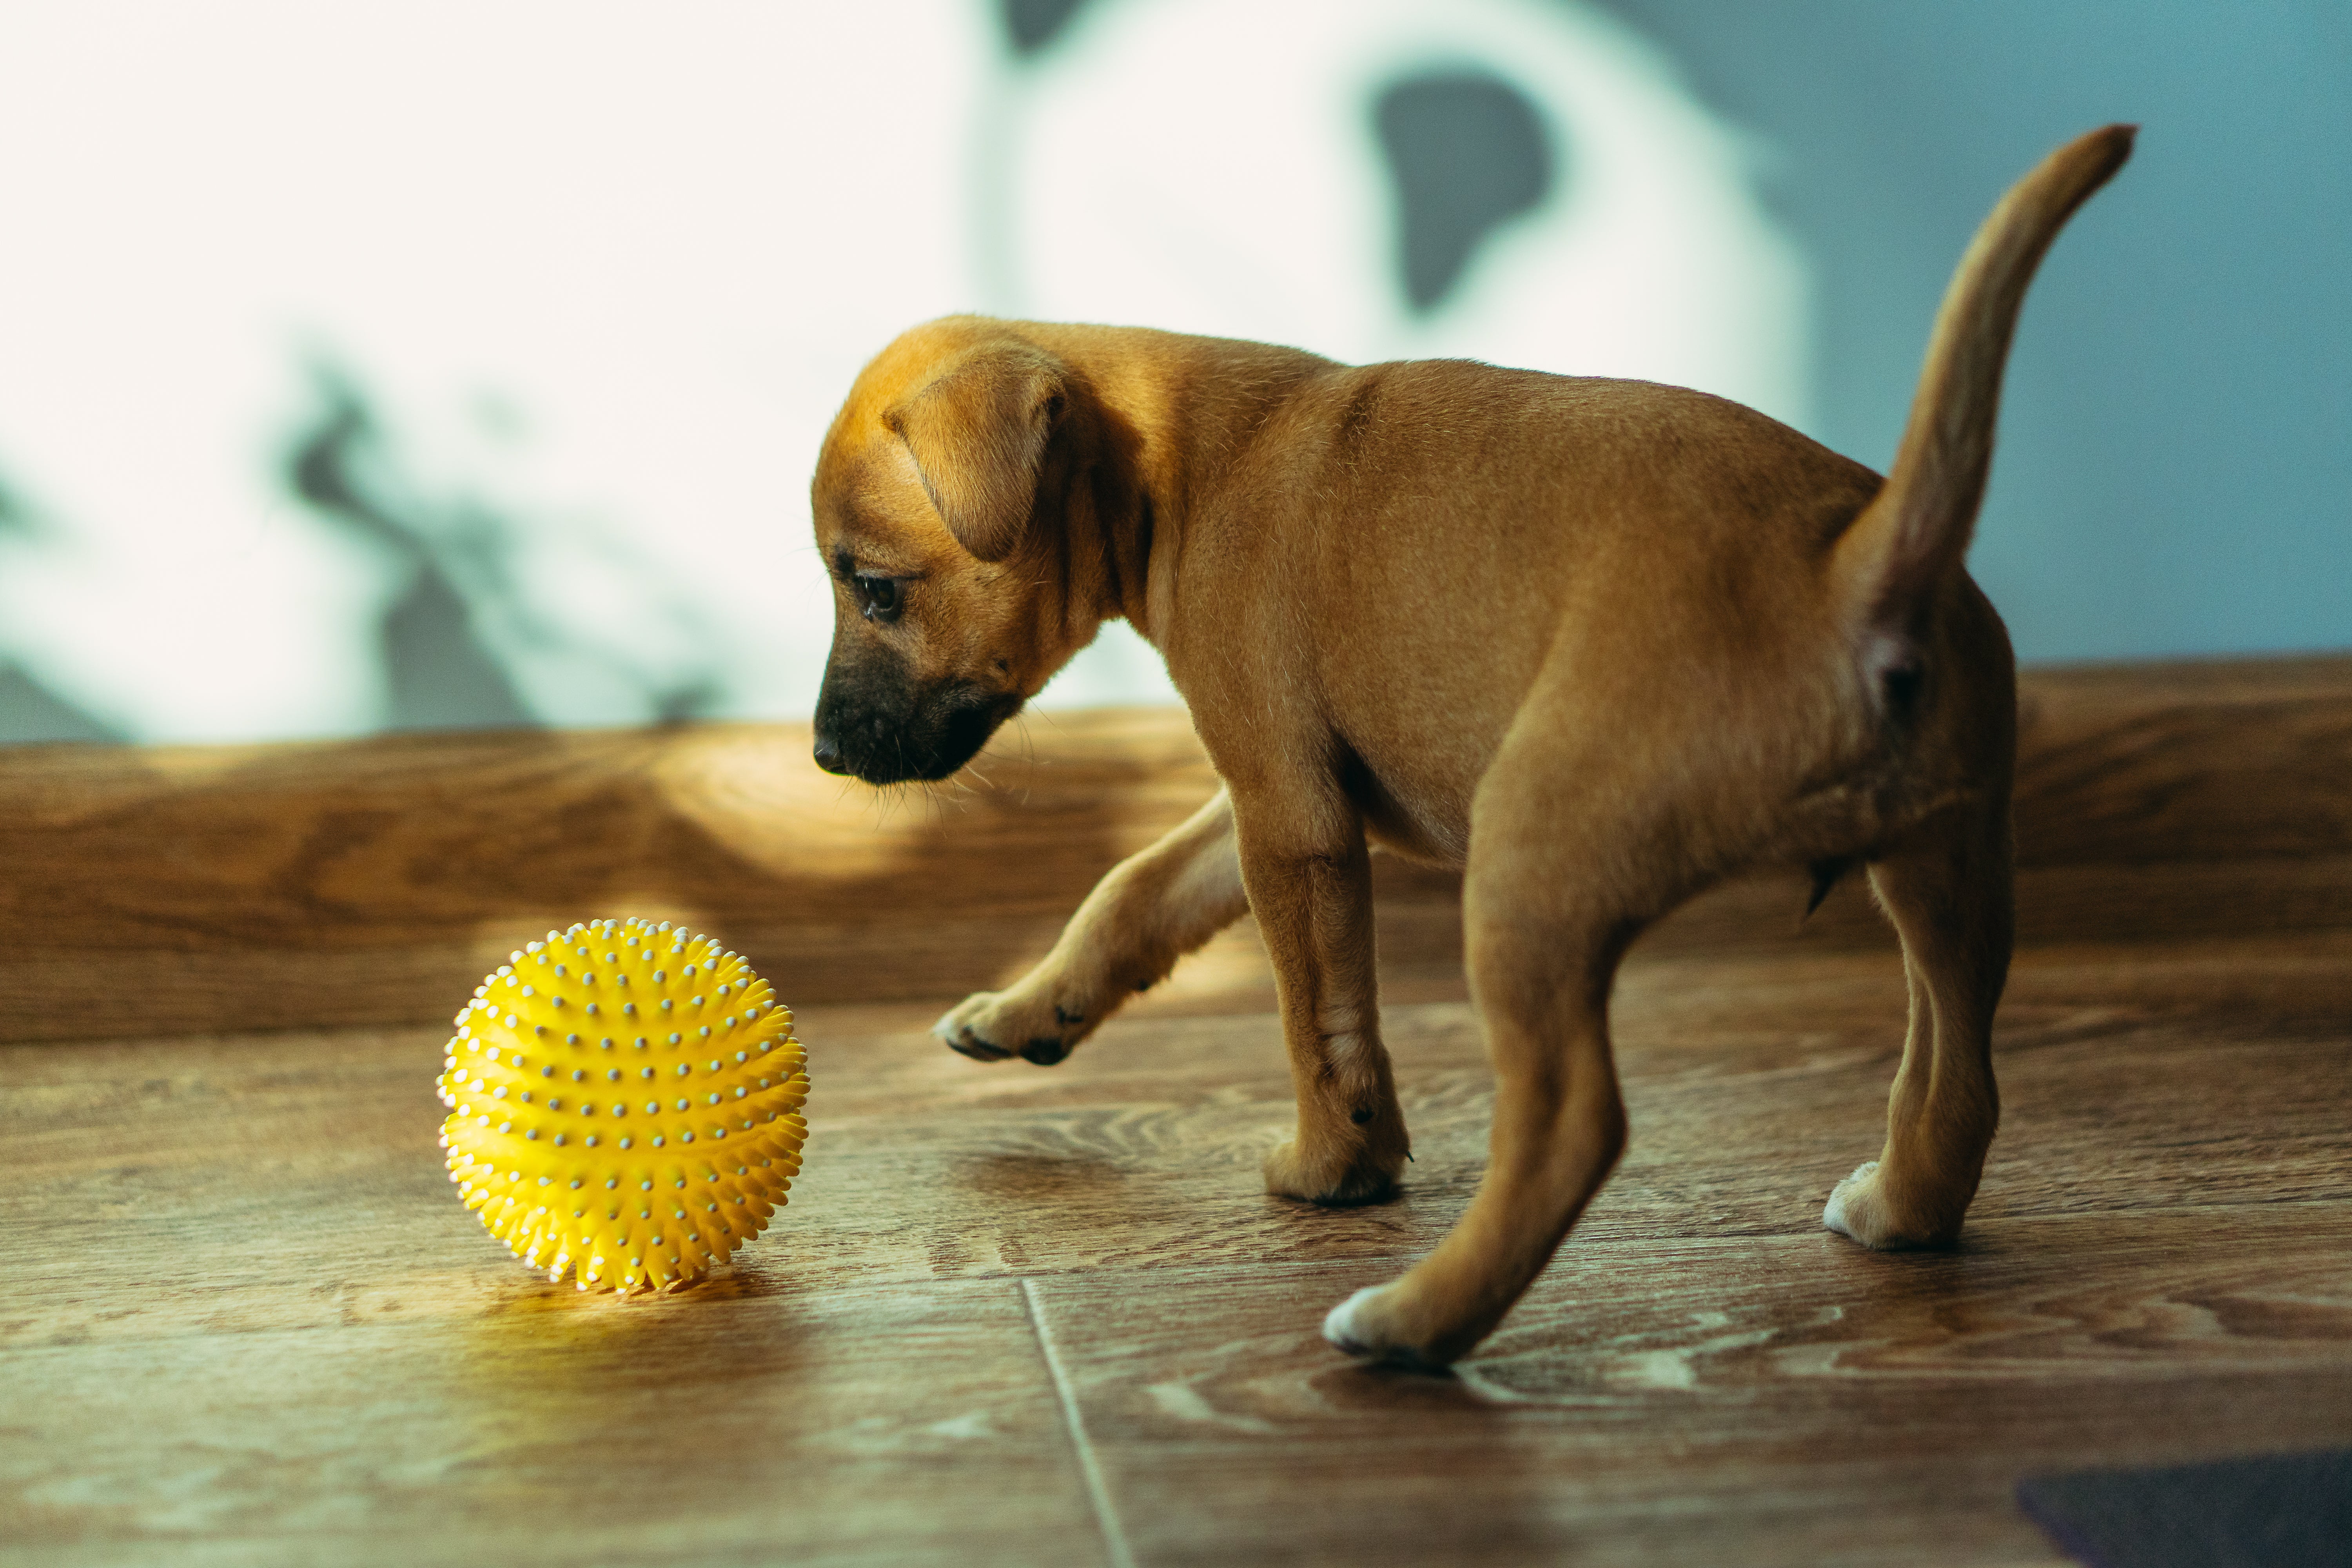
(375, 364)
(555, 300)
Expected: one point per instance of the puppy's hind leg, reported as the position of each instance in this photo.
(1947, 887)
(1148, 911)
(1558, 886)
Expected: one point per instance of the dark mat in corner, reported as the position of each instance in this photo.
(2282, 1511)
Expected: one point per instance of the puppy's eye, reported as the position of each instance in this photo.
(878, 598)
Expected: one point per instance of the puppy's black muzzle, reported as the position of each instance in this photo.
(882, 730)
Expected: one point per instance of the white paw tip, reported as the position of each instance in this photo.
(1834, 1213)
(1339, 1324)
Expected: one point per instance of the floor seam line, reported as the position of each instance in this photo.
(1098, 1490)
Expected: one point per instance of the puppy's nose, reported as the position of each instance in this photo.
(828, 754)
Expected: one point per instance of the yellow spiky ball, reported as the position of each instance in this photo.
(624, 1105)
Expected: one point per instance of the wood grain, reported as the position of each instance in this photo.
(1785, 1402)
(1753, 1085)
(188, 889)
(1028, 1315)
(250, 1323)
(912, 1425)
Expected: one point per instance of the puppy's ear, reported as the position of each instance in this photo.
(978, 433)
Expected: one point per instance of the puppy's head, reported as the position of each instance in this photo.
(939, 509)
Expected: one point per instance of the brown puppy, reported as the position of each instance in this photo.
(1599, 643)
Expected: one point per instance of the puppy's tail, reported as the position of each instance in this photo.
(1917, 527)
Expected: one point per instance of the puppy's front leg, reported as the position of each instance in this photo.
(1150, 910)
(1309, 879)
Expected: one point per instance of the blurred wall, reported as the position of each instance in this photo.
(375, 367)
(2175, 468)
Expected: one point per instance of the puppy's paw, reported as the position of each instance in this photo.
(993, 1025)
(1371, 1324)
(1859, 1207)
(1846, 1193)
(960, 1027)
(1361, 1173)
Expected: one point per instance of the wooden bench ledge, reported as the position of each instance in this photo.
(190, 890)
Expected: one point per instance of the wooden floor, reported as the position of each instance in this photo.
(1021, 1315)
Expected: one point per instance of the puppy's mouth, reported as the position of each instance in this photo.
(908, 737)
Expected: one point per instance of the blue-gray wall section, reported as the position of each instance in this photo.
(2175, 471)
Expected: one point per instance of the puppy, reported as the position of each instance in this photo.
(1599, 644)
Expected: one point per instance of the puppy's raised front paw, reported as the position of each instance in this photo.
(993, 1025)
(960, 1026)
(1361, 1175)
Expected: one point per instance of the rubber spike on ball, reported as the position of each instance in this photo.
(624, 1105)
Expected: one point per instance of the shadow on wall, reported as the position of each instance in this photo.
(461, 631)
(28, 710)
(1466, 151)
(451, 641)
(439, 674)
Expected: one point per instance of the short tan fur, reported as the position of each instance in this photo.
(1598, 643)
